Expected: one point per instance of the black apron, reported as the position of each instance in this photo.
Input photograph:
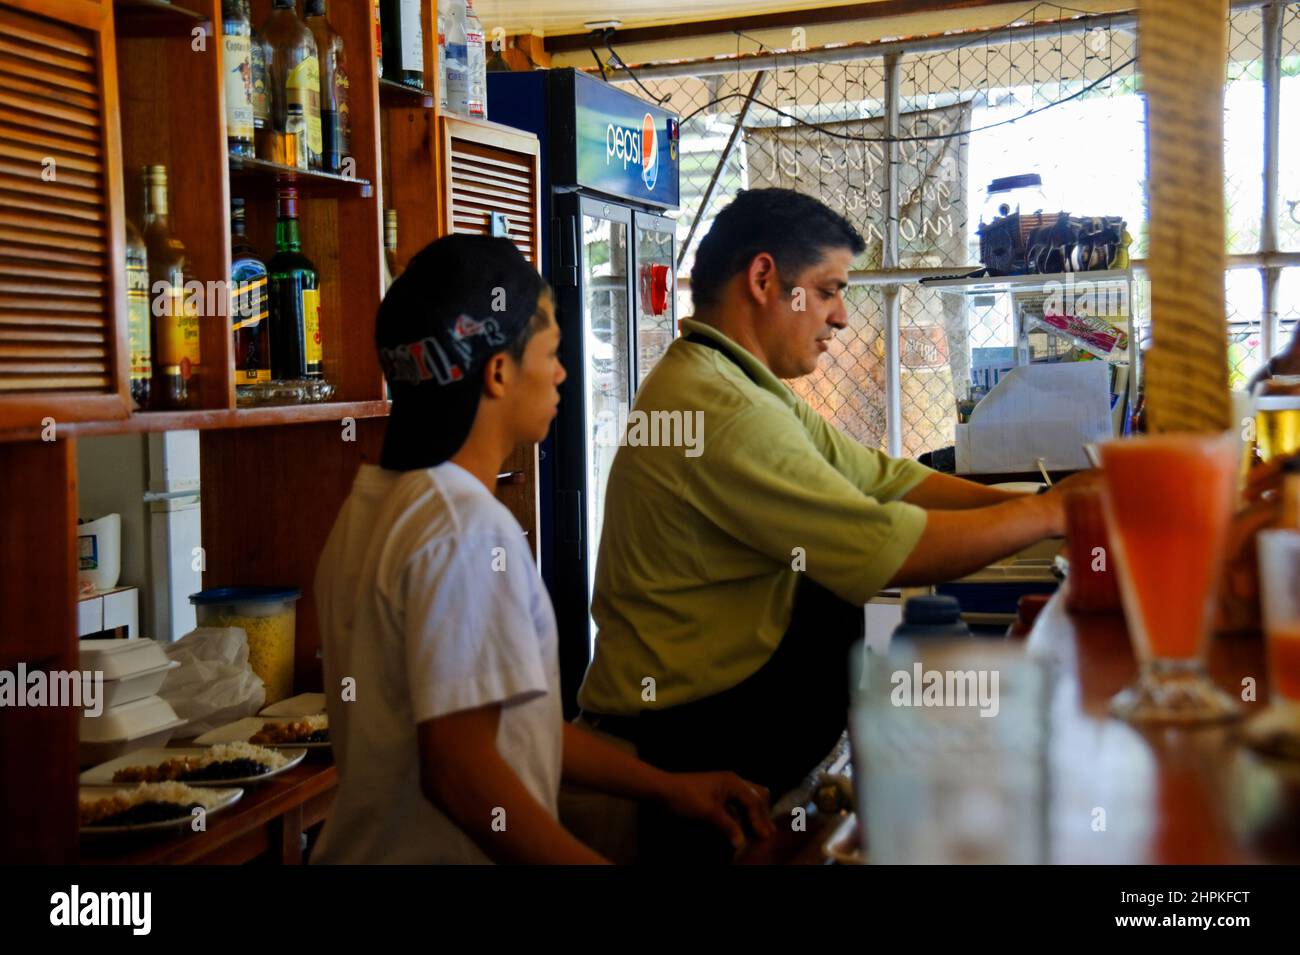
(773, 728)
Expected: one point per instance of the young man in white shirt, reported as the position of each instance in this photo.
(454, 746)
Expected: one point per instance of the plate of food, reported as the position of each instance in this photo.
(226, 764)
(306, 732)
(304, 704)
(147, 807)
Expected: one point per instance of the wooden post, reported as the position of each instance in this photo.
(1183, 52)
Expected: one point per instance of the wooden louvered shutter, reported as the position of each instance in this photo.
(489, 169)
(62, 331)
(492, 169)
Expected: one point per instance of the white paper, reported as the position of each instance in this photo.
(1047, 411)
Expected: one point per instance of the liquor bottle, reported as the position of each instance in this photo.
(295, 295)
(292, 143)
(404, 42)
(391, 268)
(475, 65)
(442, 56)
(455, 72)
(250, 315)
(261, 95)
(176, 351)
(294, 71)
(379, 40)
(336, 120)
(137, 315)
(237, 63)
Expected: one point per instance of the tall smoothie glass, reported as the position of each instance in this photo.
(1168, 501)
(1277, 729)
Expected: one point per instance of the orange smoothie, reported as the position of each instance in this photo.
(1284, 661)
(1169, 498)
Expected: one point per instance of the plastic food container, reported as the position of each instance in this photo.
(99, 552)
(1011, 195)
(267, 615)
(123, 729)
(133, 669)
(120, 659)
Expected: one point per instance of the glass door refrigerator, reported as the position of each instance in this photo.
(610, 174)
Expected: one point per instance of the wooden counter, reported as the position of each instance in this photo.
(1170, 796)
(1180, 796)
(269, 820)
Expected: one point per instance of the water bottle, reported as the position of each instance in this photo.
(475, 64)
(457, 76)
(442, 58)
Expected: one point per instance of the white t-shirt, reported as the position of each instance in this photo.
(429, 599)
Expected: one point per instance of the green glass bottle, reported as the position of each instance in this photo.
(295, 294)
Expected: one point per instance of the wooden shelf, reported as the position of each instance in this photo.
(145, 422)
(267, 821)
(256, 177)
(156, 18)
(399, 94)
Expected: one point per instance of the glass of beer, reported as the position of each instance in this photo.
(1277, 729)
(1168, 500)
(1277, 417)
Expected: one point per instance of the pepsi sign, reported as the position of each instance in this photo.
(635, 146)
(625, 146)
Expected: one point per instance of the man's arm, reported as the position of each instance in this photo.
(957, 543)
(592, 762)
(950, 493)
(462, 774)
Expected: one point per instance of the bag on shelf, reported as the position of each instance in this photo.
(214, 685)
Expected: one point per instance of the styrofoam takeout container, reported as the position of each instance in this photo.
(123, 729)
(137, 687)
(120, 659)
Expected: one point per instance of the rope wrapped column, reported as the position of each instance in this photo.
(1182, 56)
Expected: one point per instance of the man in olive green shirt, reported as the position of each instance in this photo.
(733, 567)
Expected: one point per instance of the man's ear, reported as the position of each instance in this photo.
(761, 277)
(497, 375)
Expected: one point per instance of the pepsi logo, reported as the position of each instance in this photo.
(634, 147)
(649, 153)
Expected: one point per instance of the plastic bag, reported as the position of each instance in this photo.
(214, 685)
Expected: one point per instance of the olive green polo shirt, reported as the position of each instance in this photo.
(702, 545)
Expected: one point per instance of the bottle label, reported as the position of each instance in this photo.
(311, 326)
(237, 62)
(179, 338)
(250, 301)
(303, 86)
(137, 321)
(412, 36)
(341, 87)
(261, 94)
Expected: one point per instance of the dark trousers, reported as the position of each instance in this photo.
(772, 729)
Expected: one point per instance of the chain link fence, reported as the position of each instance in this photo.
(1051, 94)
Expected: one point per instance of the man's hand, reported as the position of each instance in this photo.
(719, 798)
(1079, 481)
